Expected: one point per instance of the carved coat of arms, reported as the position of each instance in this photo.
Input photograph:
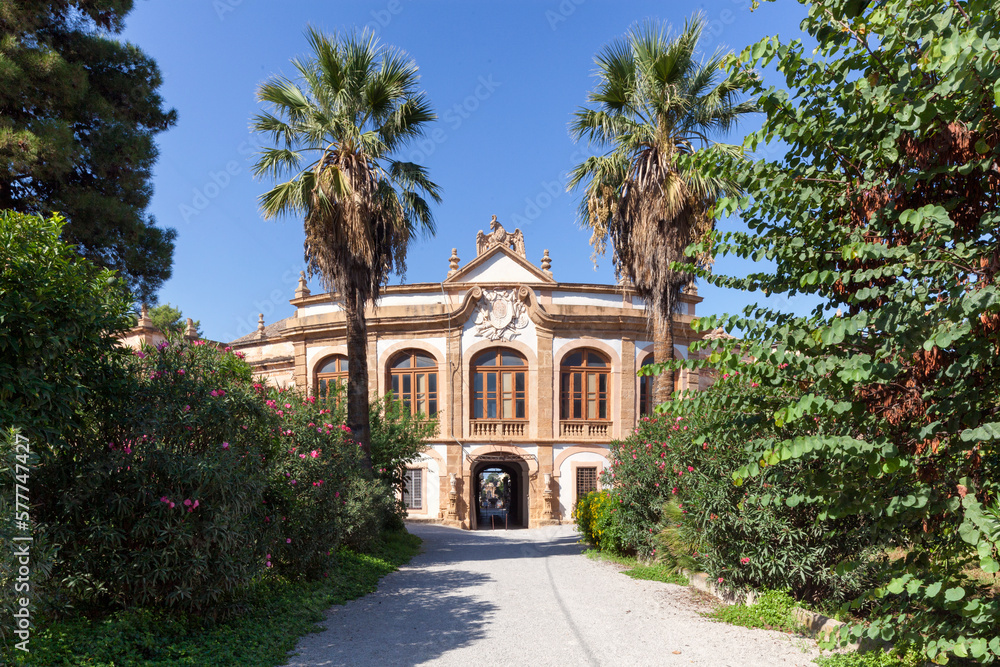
(500, 314)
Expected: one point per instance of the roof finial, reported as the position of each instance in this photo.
(190, 332)
(303, 289)
(260, 325)
(144, 321)
(547, 263)
(453, 262)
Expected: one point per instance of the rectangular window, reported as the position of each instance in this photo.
(413, 490)
(586, 481)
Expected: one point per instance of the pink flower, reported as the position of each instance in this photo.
(294, 482)
(269, 563)
(690, 469)
(140, 354)
(288, 406)
(171, 505)
(720, 580)
(164, 499)
(302, 456)
(289, 541)
(225, 445)
(336, 494)
(674, 490)
(180, 371)
(187, 502)
(314, 454)
(744, 561)
(196, 503)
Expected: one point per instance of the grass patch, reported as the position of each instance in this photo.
(771, 611)
(278, 613)
(654, 572)
(657, 573)
(909, 658)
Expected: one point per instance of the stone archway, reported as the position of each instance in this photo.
(518, 473)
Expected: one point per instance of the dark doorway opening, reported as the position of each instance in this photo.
(499, 495)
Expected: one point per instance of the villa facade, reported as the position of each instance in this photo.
(524, 374)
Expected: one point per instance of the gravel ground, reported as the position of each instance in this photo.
(528, 597)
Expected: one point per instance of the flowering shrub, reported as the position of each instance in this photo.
(672, 481)
(309, 483)
(158, 500)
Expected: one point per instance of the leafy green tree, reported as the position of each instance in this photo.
(167, 318)
(655, 110)
(59, 315)
(338, 129)
(885, 207)
(79, 111)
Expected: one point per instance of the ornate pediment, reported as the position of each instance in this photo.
(500, 315)
(500, 237)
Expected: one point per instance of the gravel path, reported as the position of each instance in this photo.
(528, 597)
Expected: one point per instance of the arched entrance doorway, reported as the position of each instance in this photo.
(501, 480)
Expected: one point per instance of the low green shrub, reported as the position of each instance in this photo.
(595, 521)
(875, 658)
(397, 439)
(278, 612)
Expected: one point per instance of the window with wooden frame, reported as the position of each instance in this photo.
(499, 385)
(585, 380)
(646, 404)
(413, 488)
(586, 481)
(331, 373)
(646, 390)
(413, 380)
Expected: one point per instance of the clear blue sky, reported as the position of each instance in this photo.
(504, 78)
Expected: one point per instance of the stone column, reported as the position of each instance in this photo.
(545, 419)
(628, 407)
(301, 372)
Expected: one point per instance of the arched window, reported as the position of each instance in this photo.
(413, 380)
(332, 372)
(646, 390)
(585, 379)
(646, 403)
(499, 385)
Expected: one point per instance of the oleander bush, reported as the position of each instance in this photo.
(674, 499)
(158, 500)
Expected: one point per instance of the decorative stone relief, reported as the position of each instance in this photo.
(500, 314)
(499, 236)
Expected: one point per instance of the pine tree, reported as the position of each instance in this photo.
(79, 111)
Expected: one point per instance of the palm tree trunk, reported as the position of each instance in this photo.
(663, 350)
(357, 375)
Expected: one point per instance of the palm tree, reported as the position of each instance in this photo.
(655, 110)
(337, 129)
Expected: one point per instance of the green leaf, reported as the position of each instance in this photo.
(954, 594)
